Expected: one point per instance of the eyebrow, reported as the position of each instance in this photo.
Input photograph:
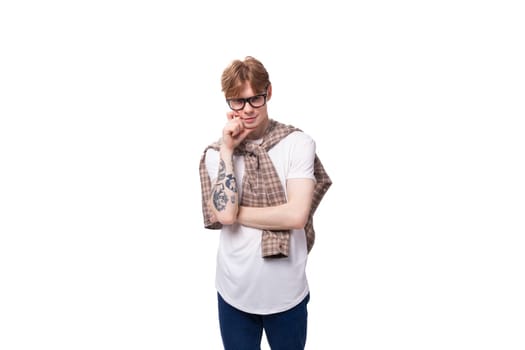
(247, 98)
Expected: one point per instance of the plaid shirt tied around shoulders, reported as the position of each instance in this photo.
(261, 187)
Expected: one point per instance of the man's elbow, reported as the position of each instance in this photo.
(226, 218)
(298, 220)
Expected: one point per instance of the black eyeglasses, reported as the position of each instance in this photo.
(238, 104)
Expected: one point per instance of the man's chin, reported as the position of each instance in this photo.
(251, 124)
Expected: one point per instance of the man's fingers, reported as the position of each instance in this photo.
(232, 115)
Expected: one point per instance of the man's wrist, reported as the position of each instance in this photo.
(226, 152)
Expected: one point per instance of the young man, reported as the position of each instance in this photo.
(261, 183)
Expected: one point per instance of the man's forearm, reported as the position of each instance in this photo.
(224, 197)
(281, 217)
(291, 215)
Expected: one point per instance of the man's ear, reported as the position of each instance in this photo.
(269, 92)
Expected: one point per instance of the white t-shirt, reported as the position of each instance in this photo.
(244, 278)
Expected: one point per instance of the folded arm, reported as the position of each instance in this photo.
(291, 215)
(224, 201)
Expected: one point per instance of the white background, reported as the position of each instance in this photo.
(417, 109)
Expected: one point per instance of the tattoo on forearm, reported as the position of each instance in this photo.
(220, 199)
(231, 183)
(222, 171)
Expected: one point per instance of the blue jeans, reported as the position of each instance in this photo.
(243, 331)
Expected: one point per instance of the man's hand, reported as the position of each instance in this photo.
(234, 132)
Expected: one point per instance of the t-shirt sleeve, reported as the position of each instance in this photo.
(302, 157)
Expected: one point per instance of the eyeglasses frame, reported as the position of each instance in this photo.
(244, 100)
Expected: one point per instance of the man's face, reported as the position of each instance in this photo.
(254, 117)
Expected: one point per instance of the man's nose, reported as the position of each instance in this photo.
(247, 107)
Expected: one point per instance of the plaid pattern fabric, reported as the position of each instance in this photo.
(261, 187)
